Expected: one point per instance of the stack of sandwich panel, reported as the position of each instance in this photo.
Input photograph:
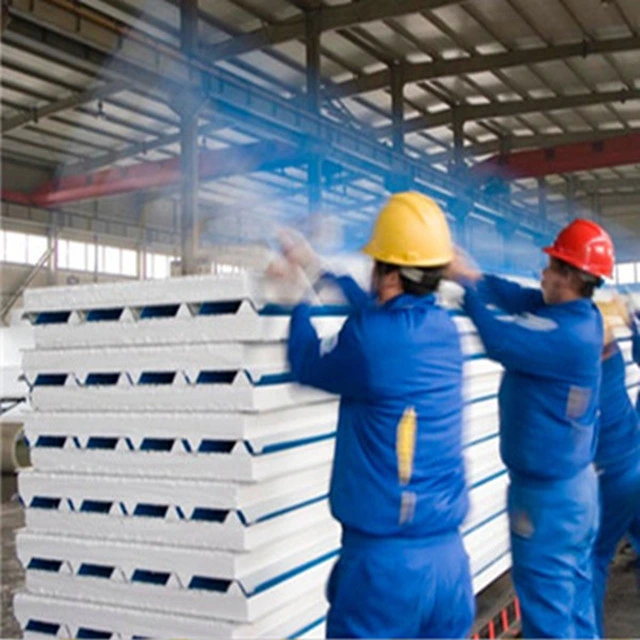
(179, 477)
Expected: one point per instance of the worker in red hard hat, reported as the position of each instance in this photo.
(550, 346)
(587, 247)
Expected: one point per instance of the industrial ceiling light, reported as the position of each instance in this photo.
(100, 115)
(605, 4)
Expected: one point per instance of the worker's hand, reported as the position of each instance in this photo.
(293, 280)
(298, 268)
(633, 315)
(299, 252)
(622, 309)
(462, 268)
(281, 269)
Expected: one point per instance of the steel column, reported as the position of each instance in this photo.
(542, 197)
(189, 146)
(397, 106)
(457, 166)
(189, 191)
(313, 27)
(571, 196)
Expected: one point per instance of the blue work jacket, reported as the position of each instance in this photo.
(398, 467)
(550, 391)
(619, 437)
(635, 350)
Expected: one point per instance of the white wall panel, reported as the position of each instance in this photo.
(213, 474)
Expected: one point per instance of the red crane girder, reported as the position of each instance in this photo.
(217, 163)
(568, 158)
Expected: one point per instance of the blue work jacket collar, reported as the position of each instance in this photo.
(582, 305)
(407, 300)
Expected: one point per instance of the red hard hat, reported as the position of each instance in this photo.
(586, 246)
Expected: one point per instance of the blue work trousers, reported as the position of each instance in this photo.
(553, 529)
(620, 512)
(400, 588)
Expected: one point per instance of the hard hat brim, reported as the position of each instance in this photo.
(370, 250)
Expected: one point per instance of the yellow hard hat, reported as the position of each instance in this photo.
(411, 231)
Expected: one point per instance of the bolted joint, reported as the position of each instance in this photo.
(187, 104)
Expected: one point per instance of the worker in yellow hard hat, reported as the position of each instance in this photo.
(398, 483)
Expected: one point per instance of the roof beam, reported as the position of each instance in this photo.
(34, 35)
(306, 5)
(13, 157)
(513, 107)
(331, 18)
(61, 105)
(138, 148)
(490, 62)
(258, 112)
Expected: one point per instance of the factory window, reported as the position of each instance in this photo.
(129, 259)
(158, 265)
(36, 246)
(15, 247)
(116, 261)
(82, 256)
(109, 260)
(75, 255)
(21, 248)
(627, 273)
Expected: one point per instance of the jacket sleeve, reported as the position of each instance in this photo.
(635, 339)
(336, 364)
(351, 290)
(508, 295)
(529, 344)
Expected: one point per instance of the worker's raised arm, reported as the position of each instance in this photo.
(336, 364)
(508, 295)
(635, 338)
(355, 295)
(527, 343)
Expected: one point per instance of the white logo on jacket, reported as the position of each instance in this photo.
(532, 322)
(327, 345)
(578, 401)
(521, 524)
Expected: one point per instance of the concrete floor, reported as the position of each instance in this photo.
(12, 575)
(622, 606)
